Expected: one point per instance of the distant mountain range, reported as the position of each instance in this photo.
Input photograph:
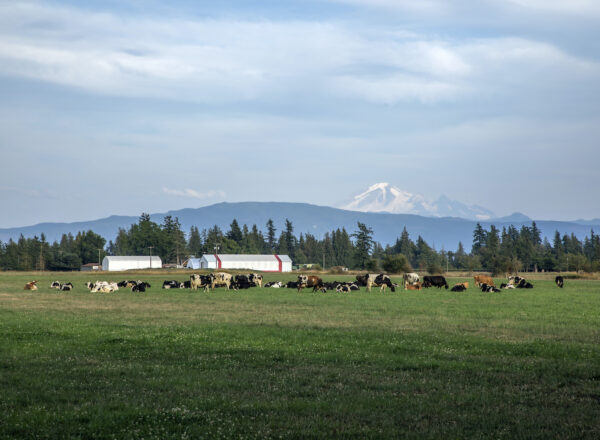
(383, 197)
(439, 232)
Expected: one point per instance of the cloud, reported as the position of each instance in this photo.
(225, 61)
(187, 192)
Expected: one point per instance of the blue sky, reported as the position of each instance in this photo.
(123, 107)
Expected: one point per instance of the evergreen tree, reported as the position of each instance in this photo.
(235, 233)
(363, 244)
(271, 239)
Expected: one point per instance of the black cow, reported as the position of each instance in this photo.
(487, 288)
(171, 284)
(560, 281)
(435, 281)
(524, 284)
(292, 284)
(458, 288)
(243, 282)
(140, 286)
(185, 284)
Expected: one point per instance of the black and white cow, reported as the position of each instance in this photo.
(171, 284)
(560, 281)
(410, 279)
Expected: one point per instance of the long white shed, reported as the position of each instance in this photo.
(264, 263)
(115, 263)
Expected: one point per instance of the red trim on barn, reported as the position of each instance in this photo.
(218, 261)
(280, 263)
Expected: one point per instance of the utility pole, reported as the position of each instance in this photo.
(323, 260)
(216, 248)
(41, 259)
(150, 254)
(99, 249)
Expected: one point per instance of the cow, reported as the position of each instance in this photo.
(378, 280)
(310, 281)
(487, 288)
(243, 282)
(274, 285)
(515, 280)
(292, 284)
(524, 284)
(140, 286)
(102, 286)
(483, 279)
(416, 286)
(256, 278)
(220, 279)
(361, 280)
(32, 285)
(55, 285)
(435, 281)
(204, 281)
(410, 278)
(343, 288)
(66, 287)
(507, 286)
(560, 281)
(458, 288)
(185, 284)
(171, 284)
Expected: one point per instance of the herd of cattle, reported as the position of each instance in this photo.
(411, 281)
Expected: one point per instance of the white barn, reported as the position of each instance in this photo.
(113, 263)
(264, 263)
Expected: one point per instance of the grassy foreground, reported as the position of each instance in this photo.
(274, 363)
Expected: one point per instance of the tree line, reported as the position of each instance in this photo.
(494, 250)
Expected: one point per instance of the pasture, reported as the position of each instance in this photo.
(272, 363)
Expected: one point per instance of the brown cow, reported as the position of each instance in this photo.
(483, 279)
(32, 285)
(309, 281)
(415, 286)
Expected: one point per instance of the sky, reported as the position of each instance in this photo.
(130, 106)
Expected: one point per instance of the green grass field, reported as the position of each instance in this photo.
(268, 363)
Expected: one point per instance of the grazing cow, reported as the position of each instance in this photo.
(410, 278)
(55, 285)
(220, 279)
(256, 278)
(483, 279)
(560, 281)
(415, 286)
(378, 280)
(435, 281)
(458, 288)
(361, 280)
(203, 281)
(310, 281)
(32, 285)
(171, 284)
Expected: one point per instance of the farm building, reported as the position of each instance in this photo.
(131, 262)
(265, 263)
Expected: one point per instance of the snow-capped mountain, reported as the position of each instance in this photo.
(383, 197)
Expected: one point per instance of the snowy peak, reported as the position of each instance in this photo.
(383, 197)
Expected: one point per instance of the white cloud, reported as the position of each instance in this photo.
(560, 6)
(187, 192)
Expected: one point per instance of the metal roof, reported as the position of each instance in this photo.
(131, 258)
(246, 257)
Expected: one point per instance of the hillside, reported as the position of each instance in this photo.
(439, 232)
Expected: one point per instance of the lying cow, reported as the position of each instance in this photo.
(66, 287)
(410, 278)
(560, 281)
(243, 282)
(292, 284)
(274, 285)
(415, 286)
(435, 281)
(483, 279)
(523, 284)
(171, 284)
(32, 285)
(515, 280)
(310, 281)
(140, 286)
(458, 287)
(487, 288)
(507, 286)
(55, 285)
(185, 284)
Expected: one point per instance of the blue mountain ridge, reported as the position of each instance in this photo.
(440, 233)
